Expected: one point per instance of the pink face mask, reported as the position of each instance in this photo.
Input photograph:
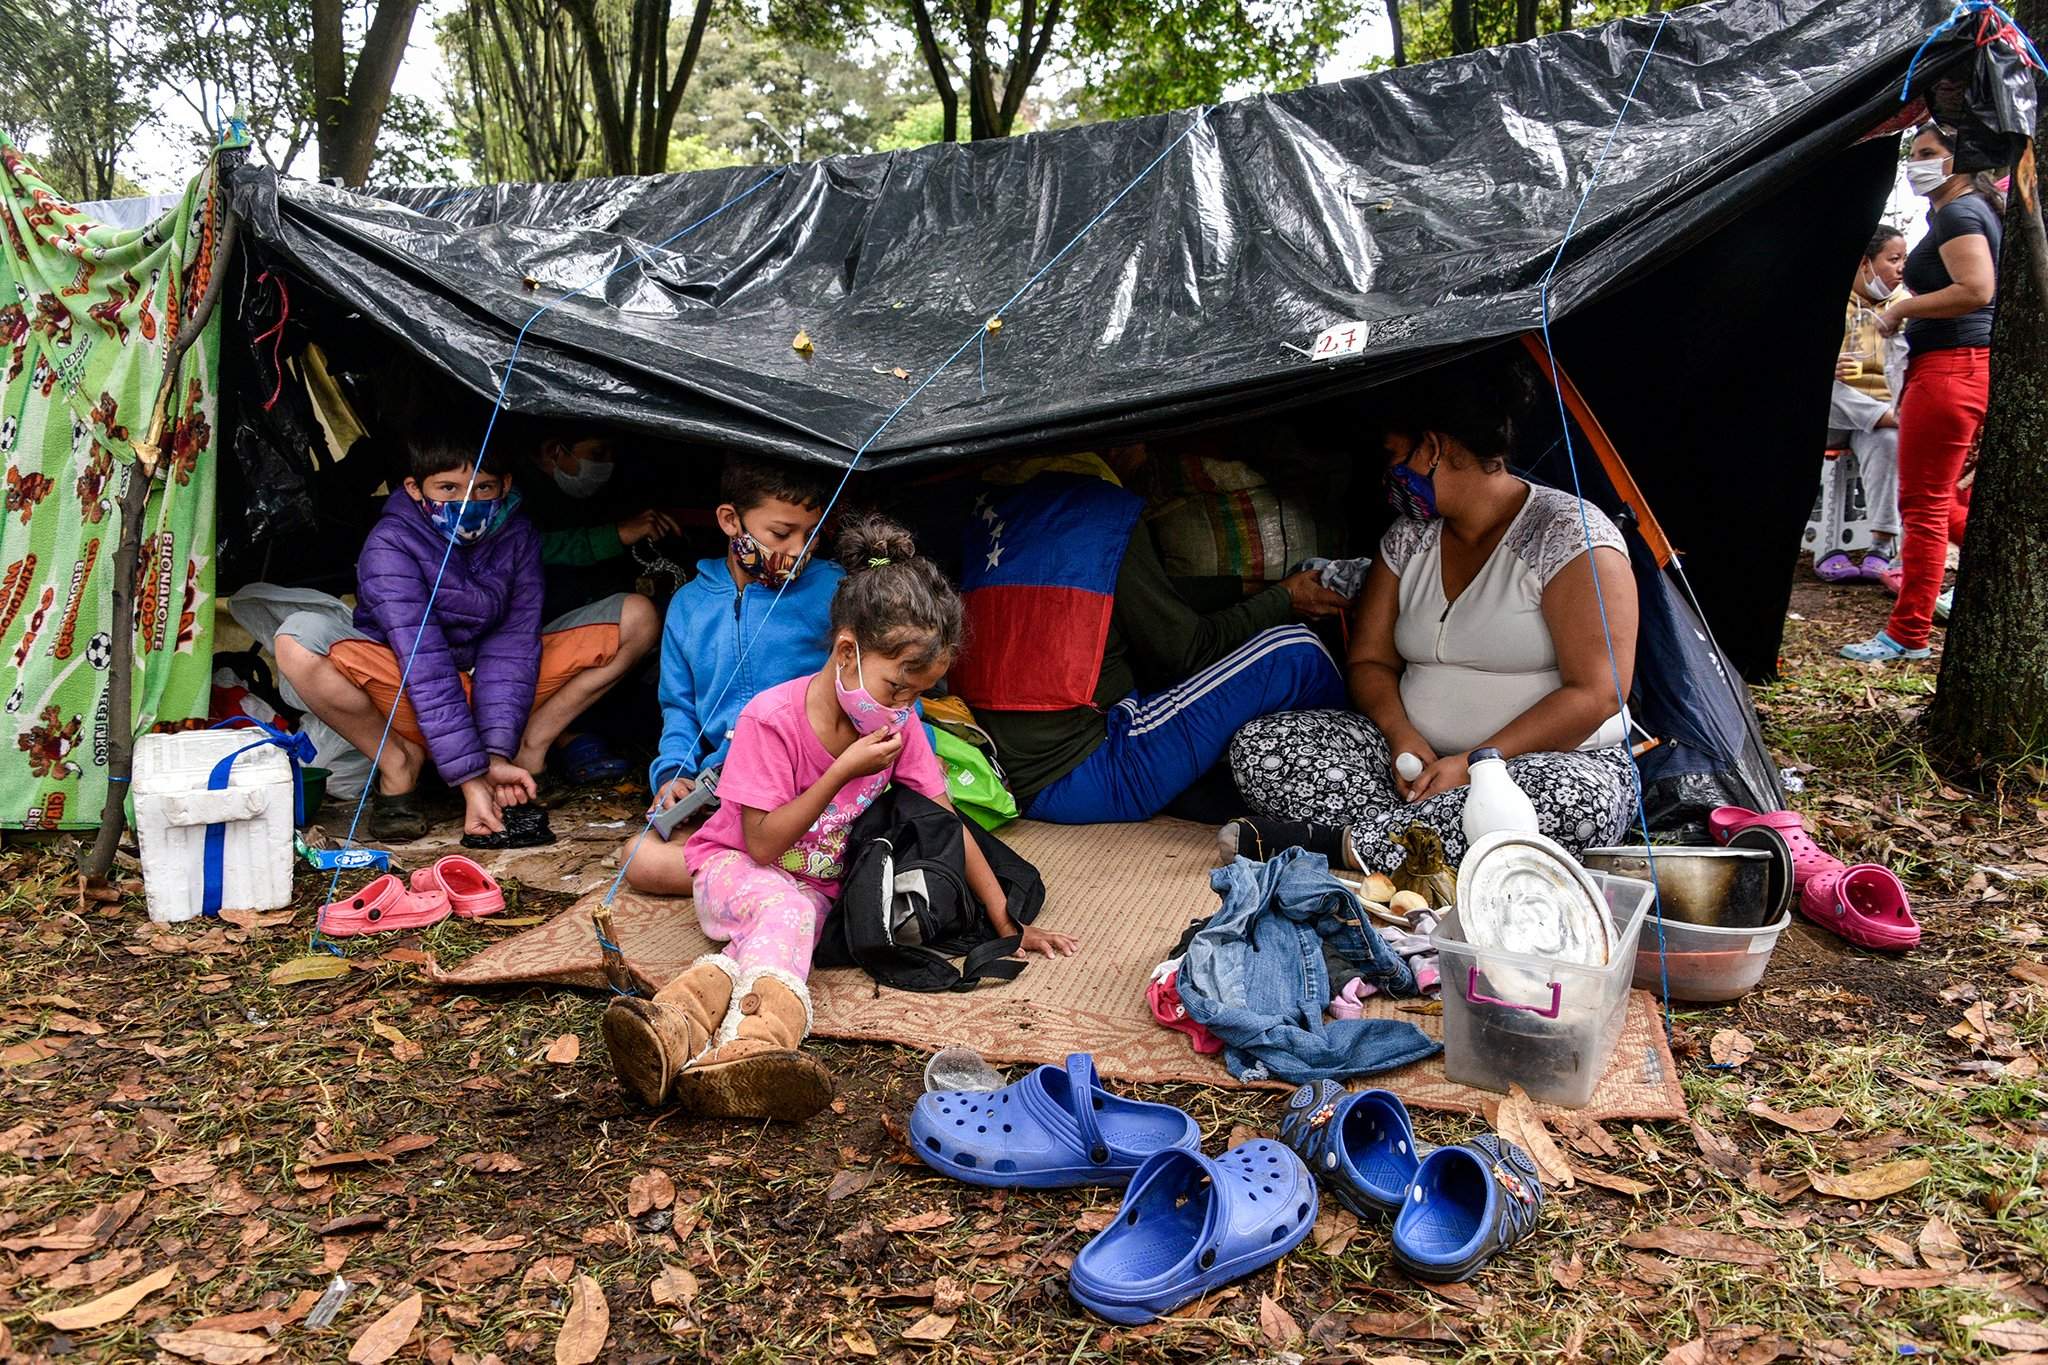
(867, 714)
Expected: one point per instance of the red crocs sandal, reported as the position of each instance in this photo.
(1865, 904)
(472, 892)
(1809, 859)
(384, 904)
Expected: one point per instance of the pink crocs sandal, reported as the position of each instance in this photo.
(1865, 904)
(1809, 859)
(471, 891)
(384, 904)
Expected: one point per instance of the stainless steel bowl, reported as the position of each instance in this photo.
(1723, 888)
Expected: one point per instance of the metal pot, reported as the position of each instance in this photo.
(1725, 888)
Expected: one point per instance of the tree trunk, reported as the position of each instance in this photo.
(1991, 704)
(1464, 27)
(349, 124)
(611, 118)
(1394, 27)
(1525, 20)
(935, 63)
(1564, 15)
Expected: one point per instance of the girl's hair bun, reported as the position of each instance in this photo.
(870, 540)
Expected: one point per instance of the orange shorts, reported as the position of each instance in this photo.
(563, 654)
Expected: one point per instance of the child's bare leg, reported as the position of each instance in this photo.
(349, 709)
(658, 868)
(639, 631)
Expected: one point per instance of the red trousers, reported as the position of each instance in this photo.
(1943, 406)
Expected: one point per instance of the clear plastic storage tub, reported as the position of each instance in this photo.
(1548, 1026)
(1707, 964)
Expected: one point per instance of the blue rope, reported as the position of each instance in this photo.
(1965, 7)
(497, 406)
(1585, 522)
(980, 333)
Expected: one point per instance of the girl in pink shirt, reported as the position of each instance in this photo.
(807, 758)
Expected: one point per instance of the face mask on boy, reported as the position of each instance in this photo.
(867, 714)
(1411, 494)
(467, 523)
(590, 476)
(764, 566)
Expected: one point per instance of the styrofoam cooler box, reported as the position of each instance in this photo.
(173, 808)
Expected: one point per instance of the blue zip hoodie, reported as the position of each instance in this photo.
(704, 679)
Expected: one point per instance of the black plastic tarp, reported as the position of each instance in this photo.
(1426, 201)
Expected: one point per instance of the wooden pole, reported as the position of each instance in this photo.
(134, 507)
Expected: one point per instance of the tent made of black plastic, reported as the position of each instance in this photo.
(1683, 196)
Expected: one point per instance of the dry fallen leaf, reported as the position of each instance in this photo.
(1817, 1119)
(920, 1222)
(1092, 1221)
(490, 1163)
(316, 967)
(1276, 1324)
(1873, 1182)
(565, 1049)
(1697, 1244)
(649, 1191)
(930, 1327)
(1940, 1248)
(111, 1306)
(2030, 971)
(848, 1183)
(403, 1049)
(184, 1170)
(585, 1326)
(215, 1347)
(1719, 1152)
(547, 1270)
(802, 343)
(1607, 1180)
(2015, 1334)
(674, 1285)
(1335, 1230)
(383, 1338)
(1519, 1123)
(1731, 1048)
(859, 1343)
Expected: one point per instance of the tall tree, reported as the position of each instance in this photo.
(1393, 8)
(1990, 706)
(636, 87)
(239, 58)
(763, 97)
(1002, 48)
(1438, 28)
(1140, 59)
(70, 86)
(1464, 26)
(349, 104)
(522, 94)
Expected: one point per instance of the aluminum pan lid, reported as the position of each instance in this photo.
(1523, 893)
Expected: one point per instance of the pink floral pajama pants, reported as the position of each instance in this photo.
(766, 917)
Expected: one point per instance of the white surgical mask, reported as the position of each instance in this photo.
(1925, 177)
(590, 476)
(1876, 288)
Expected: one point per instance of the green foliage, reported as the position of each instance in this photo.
(816, 101)
(520, 91)
(248, 59)
(415, 145)
(1143, 59)
(68, 93)
(1426, 24)
(917, 126)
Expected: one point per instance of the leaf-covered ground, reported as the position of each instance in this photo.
(190, 1155)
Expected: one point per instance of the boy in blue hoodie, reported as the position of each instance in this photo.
(721, 645)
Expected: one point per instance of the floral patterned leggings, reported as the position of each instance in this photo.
(1333, 767)
(765, 916)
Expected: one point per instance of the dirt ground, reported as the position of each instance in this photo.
(1861, 1177)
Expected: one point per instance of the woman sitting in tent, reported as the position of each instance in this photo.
(1499, 614)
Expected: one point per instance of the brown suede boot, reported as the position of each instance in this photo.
(757, 1072)
(650, 1041)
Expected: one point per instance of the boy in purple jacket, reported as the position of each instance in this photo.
(491, 687)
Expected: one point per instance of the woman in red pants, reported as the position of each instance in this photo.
(1953, 274)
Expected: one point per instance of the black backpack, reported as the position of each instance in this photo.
(905, 912)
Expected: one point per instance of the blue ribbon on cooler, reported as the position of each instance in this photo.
(298, 748)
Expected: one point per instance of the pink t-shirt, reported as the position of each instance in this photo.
(775, 757)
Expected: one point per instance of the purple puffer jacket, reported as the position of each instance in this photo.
(486, 622)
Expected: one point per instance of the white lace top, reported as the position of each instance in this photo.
(1475, 664)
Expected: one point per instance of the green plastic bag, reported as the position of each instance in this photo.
(972, 781)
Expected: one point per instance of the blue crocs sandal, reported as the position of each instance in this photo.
(1362, 1146)
(1191, 1223)
(1881, 648)
(587, 760)
(1032, 1135)
(1467, 1203)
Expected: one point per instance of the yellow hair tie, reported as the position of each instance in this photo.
(877, 563)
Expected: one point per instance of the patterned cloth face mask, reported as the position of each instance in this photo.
(1411, 494)
(467, 523)
(766, 567)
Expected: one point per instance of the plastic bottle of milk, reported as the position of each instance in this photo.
(1494, 802)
